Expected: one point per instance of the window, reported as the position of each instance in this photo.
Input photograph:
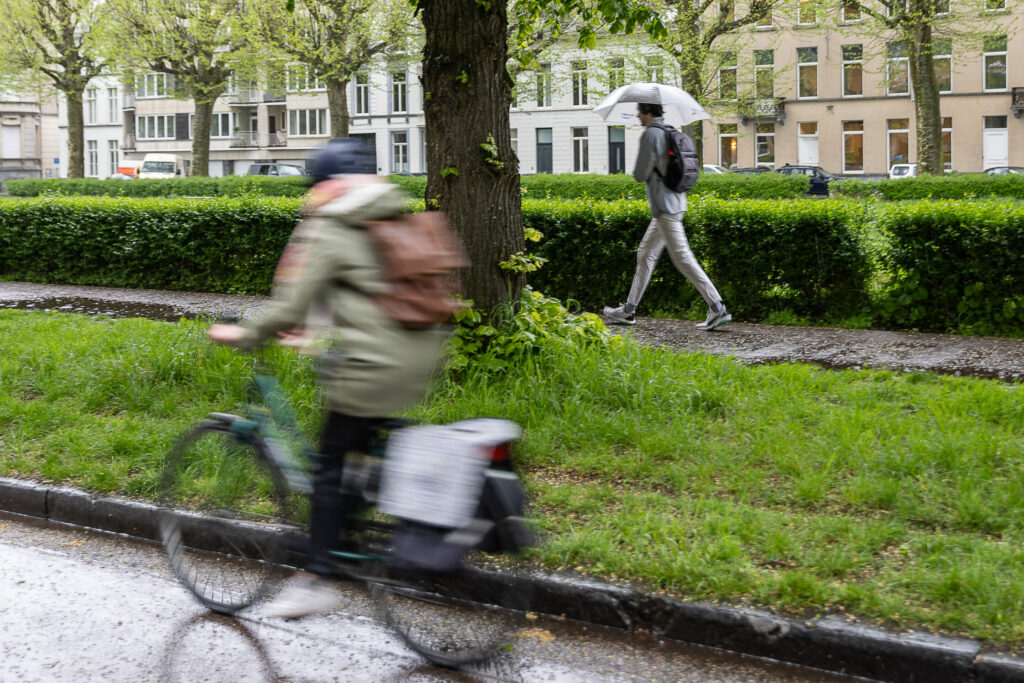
(90, 105)
(113, 155)
(942, 57)
(114, 104)
(655, 70)
(995, 122)
(851, 11)
(897, 69)
(222, 125)
(853, 70)
(544, 85)
(853, 146)
(399, 92)
(899, 141)
(155, 127)
(727, 77)
(400, 152)
(616, 74)
(947, 143)
(807, 12)
(727, 145)
(995, 5)
(92, 158)
(995, 63)
(299, 78)
(580, 151)
(152, 85)
(727, 10)
(941, 7)
(579, 84)
(362, 98)
(807, 70)
(307, 122)
(764, 143)
(764, 20)
(764, 74)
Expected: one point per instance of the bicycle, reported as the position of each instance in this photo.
(234, 494)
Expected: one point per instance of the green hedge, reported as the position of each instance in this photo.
(215, 245)
(955, 266)
(968, 186)
(804, 255)
(227, 186)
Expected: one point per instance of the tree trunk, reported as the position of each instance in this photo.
(926, 101)
(201, 138)
(76, 133)
(468, 94)
(337, 104)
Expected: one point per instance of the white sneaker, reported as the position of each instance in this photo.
(301, 597)
(715, 320)
(618, 316)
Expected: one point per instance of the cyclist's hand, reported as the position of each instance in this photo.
(226, 334)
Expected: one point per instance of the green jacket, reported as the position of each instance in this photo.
(375, 366)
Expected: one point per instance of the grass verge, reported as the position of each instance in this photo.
(897, 498)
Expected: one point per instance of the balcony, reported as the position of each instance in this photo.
(278, 139)
(245, 96)
(763, 110)
(129, 141)
(128, 101)
(245, 138)
(273, 95)
(1017, 102)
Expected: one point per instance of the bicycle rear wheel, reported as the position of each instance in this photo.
(451, 619)
(226, 518)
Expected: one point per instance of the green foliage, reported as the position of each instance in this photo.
(968, 186)
(621, 186)
(227, 186)
(955, 265)
(533, 325)
(214, 245)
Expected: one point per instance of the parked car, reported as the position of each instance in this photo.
(159, 165)
(715, 169)
(820, 178)
(273, 168)
(902, 171)
(1005, 170)
(749, 170)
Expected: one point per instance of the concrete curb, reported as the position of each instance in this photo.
(828, 643)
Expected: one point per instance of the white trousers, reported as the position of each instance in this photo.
(664, 231)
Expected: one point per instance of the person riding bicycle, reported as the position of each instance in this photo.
(374, 367)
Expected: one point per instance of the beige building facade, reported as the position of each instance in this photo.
(29, 138)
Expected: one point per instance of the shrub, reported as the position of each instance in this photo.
(621, 186)
(955, 265)
(967, 186)
(229, 186)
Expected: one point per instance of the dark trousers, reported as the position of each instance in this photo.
(342, 434)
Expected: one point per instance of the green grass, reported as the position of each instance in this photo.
(897, 498)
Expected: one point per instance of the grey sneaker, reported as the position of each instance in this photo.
(715, 320)
(618, 316)
(301, 597)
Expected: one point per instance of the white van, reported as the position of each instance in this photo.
(161, 166)
(902, 171)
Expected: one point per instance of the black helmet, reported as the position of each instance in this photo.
(343, 155)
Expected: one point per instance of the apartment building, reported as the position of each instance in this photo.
(103, 117)
(29, 144)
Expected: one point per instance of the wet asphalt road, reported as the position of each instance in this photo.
(86, 606)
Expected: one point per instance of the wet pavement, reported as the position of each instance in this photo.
(992, 357)
(87, 606)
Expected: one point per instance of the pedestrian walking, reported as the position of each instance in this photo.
(665, 228)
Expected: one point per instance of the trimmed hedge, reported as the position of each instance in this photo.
(227, 186)
(968, 186)
(216, 245)
(804, 255)
(955, 266)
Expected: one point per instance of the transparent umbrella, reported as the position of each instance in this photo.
(680, 107)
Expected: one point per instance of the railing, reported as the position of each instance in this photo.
(760, 109)
(273, 95)
(245, 96)
(245, 138)
(129, 141)
(129, 101)
(1017, 102)
(277, 139)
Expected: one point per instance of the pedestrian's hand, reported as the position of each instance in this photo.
(226, 334)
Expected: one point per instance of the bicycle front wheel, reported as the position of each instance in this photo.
(226, 518)
(451, 619)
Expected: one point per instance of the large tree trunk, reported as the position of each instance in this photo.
(76, 134)
(337, 104)
(201, 138)
(926, 101)
(468, 97)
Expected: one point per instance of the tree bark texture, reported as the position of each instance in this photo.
(926, 101)
(76, 134)
(201, 138)
(473, 173)
(337, 104)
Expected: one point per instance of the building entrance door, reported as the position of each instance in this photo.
(995, 143)
(807, 144)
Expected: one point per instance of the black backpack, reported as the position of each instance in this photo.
(681, 174)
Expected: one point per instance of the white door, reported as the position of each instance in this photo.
(10, 142)
(995, 148)
(807, 143)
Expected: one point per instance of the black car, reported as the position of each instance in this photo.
(819, 177)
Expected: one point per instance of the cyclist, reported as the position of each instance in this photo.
(374, 366)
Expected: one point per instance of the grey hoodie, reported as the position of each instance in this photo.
(653, 154)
